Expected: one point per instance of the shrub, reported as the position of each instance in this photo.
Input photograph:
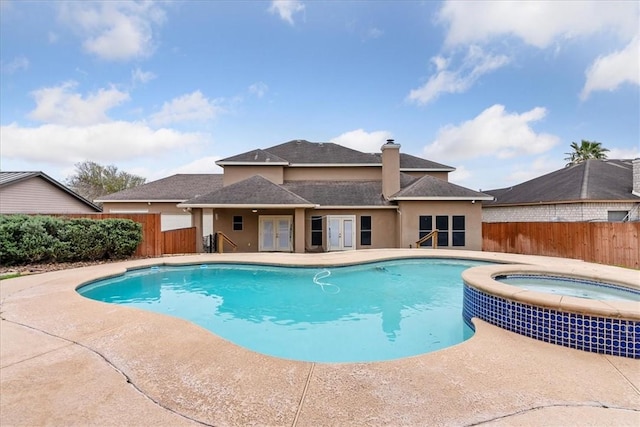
(122, 237)
(29, 239)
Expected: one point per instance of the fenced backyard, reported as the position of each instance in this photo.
(613, 243)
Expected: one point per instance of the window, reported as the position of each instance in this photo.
(237, 223)
(425, 228)
(616, 216)
(365, 230)
(457, 235)
(316, 230)
(442, 225)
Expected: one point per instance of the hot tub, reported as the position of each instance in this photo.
(598, 324)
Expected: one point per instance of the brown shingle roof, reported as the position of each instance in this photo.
(255, 156)
(589, 180)
(254, 191)
(304, 152)
(177, 188)
(428, 187)
(339, 193)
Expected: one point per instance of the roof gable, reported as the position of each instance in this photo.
(10, 178)
(255, 191)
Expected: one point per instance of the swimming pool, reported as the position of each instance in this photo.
(369, 312)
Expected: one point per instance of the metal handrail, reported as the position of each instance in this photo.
(432, 234)
(223, 238)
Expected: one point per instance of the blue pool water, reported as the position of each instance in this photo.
(370, 312)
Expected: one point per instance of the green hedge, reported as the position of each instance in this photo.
(28, 239)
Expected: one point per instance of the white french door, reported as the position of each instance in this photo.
(275, 233)
(341, 233)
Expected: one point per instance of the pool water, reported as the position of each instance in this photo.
(370, 312)
(571, 287)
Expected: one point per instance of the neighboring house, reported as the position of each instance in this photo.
(38, 193)
(302, 196)
(594, 190)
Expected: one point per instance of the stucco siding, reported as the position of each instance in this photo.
(37, 196)
(561, 212)
(383, 227)
(247, 239)
(365, 173)
(412, 210)
(233, 174)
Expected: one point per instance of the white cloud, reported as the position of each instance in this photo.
(52, 37)
(286, 9)
(543, 24)
(60, 105)
(475, 64)
(139, 76)
(542, 165)
(258, 89)
(186, 108)
(368, 142)
(611, 71)
(201, 165)
(102, 143)
(18, 63)
(536, 23)
(114, 30)
(492, 132)
(460, 175)
(623, 153)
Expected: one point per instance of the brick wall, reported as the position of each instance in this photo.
(568, 212)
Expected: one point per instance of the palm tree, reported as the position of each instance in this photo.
(585, 151)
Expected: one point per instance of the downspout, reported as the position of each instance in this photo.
(400, 236)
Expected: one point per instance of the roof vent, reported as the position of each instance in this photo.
(390, 141)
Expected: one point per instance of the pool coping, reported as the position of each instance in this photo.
(483, 278)
(143, 368)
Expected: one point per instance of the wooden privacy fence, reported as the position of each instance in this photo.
(612, 243)
(180, 241)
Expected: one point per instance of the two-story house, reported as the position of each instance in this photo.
(302, 196)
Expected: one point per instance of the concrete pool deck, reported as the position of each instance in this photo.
(68, 360)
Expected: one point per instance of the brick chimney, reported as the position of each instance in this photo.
(390, 168)
(636, 177)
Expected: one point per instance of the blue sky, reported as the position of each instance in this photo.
(497, 90)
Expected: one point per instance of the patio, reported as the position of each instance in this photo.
(67, 360)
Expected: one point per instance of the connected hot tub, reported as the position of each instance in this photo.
(601, 316)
